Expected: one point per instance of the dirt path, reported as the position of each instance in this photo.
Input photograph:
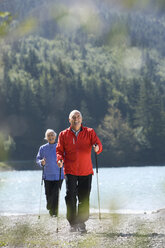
(120, 231)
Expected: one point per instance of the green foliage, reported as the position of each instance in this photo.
(5, 20)
(7, 146)
(114, 75)
(121, 146)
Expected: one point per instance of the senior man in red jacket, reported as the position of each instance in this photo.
(74, 152)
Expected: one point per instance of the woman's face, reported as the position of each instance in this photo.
(51, 137)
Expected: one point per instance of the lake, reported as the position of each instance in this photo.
(125, 190)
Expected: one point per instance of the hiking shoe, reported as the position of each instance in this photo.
(82, 228)
(73, 228)
(52, 213)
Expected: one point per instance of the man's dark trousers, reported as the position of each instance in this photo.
(77, 187)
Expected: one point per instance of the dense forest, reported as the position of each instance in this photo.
(107, 62)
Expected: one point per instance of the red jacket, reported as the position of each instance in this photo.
(76, 151)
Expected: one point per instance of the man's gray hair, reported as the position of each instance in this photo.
(49, 131)
(73, 112)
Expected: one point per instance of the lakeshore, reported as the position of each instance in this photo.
(112, 231)
(5, 166)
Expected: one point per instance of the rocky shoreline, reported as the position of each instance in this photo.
(113, 230)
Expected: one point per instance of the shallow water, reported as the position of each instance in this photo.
(126, 190)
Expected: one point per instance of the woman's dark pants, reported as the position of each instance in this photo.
(52, 196)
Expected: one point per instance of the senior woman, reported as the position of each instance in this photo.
(46, 158)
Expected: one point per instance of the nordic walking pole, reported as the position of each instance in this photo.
(59, 188)
(41, 192)
(98, 194)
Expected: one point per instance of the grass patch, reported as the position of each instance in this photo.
(89, 242)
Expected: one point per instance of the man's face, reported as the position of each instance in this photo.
(51, 138)
(75, 121)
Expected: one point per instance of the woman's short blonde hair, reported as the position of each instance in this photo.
(49, 131)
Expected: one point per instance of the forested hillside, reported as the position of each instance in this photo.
(108, 63)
